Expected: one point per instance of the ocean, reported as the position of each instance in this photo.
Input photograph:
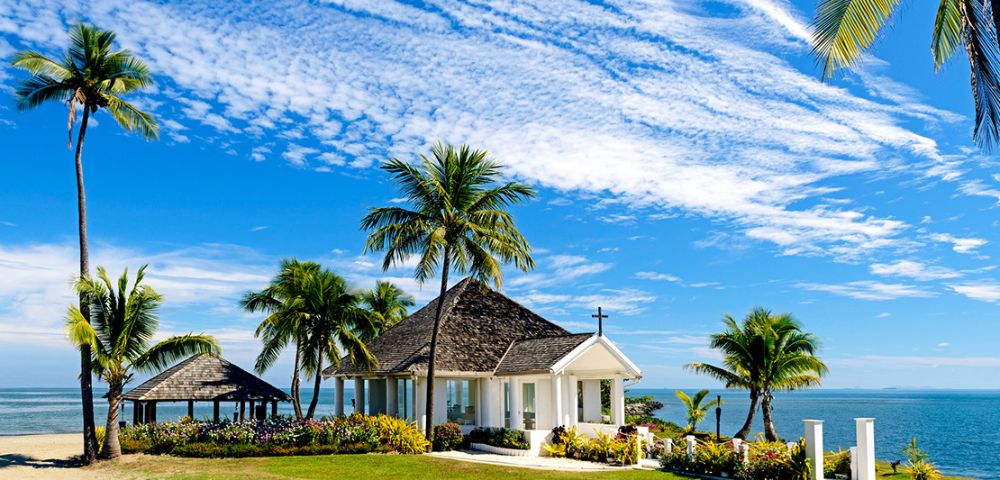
(960, 429)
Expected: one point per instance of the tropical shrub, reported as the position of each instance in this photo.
(276, 436)
(447, 436)
(624, 447)
(499, 437)
(837, 463)
(766, 461)
(920, 467)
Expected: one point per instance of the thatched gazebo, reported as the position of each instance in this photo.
(204, 378)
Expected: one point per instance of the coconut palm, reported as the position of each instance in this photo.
(762, 354)
(91, 76)
(844, 29)
(283, 325)
(314, 309)
(332, 317)
(696, 411)
(387, 304)
(459, 220)
(119, 333)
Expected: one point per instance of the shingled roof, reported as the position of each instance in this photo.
(205, 377)
(478, 328)
(536, 355)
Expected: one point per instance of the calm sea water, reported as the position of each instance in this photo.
(959, 429)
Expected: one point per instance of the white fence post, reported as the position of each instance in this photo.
(668, 445)
(745, 454)
(865, 430)
(690, 446)
(814, 447)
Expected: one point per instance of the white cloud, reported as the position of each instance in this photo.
(557, 270)
(959, 244)
(36, 281)
(625, 301)
(883, 315)
(868, 290)
(987, 292)
(906, 361)
(723, 127)
(666, 277)
(912, 269)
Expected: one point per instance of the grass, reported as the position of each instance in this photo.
(884, 471)
(372, 467)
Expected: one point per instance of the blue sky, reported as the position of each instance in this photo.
(688, 159)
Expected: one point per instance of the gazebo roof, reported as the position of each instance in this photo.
(205, 377)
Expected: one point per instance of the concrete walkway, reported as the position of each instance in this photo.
(541, 463)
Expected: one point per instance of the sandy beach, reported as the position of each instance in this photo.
(43, 456)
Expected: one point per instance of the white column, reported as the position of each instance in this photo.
(592, 401)
(572, 394)
(392, 396)
(359, 395)
(618, 401)
(338, 397)
(814, 447)
(865, 431)
(557, 401)
(420, 402)
(691, 442)
(516, 401)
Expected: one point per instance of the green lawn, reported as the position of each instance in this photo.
(362, 467)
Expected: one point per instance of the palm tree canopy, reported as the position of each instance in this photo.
(459, 208)
(123, 322)
(765, 352)
(845, 29)
(695, 410)
(387, 304)
(312, 307)
(89, 75)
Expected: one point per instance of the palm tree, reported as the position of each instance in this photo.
(283, 325)
(119, 333)
(459, 219)
(844, 29)
(332, 318)
(92, 76)
(695, 410)
(763, 354)
(316, 310)
(387, 304)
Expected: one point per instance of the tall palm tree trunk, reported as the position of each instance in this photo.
(429, 409)
(748, 425)
(316, 381)
(86, 381)
(766, 407)
(111, 448)
(296, 398)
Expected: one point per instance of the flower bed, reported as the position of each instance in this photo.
(272, 437)
(766, 461)
(624, 447)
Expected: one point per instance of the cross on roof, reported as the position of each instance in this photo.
(600, 316)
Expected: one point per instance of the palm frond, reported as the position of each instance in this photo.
(132, 119)
(40, 65)
(844, 29)
(174, 349)
(947, 37)
(981, 47)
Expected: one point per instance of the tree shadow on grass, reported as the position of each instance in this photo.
(9, 460)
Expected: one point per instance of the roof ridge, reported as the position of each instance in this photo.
(504, 356)
(460, 288)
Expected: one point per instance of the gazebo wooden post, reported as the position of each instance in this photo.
(191, 409)
(215, 411)
(253, 411)
(151, 416)
(274, 408)
(243, 410)
(136, 417)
